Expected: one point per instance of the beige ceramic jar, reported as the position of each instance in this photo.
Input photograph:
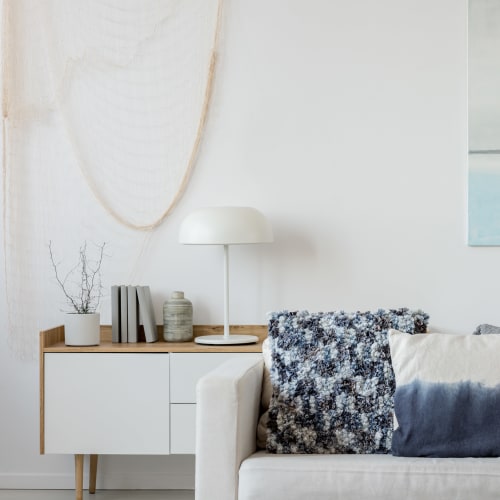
(178, 319)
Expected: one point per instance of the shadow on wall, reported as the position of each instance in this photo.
(300, 260)
(291, 245)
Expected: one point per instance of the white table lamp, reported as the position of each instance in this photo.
(225, 226)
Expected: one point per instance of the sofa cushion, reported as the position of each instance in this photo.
(447, 397)
(486, 329)
(266, 476)
(332, 380)
(267, 390)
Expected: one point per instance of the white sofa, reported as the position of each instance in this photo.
(229, 466)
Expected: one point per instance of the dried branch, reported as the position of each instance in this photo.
(84, 295)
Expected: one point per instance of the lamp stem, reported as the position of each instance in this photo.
(226, 291)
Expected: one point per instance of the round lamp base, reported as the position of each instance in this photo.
(229, 340)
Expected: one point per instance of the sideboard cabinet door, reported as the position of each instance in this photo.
(110, 403)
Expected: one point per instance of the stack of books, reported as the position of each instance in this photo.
(132, 306)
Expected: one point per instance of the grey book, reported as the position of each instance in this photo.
(123, 314)
(132, 313)
(147, 313)
(115, 313)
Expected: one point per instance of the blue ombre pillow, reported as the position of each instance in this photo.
(447, 398)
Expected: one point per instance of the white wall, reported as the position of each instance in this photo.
(346, 124)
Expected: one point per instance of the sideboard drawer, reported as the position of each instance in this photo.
(187, 368)
(182, 428)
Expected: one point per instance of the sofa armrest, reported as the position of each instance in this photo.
(227, 411)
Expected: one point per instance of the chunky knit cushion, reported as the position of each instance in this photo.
(332, 380)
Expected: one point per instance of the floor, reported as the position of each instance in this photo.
(99, 495)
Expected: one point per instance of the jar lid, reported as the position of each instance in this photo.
(177, 295)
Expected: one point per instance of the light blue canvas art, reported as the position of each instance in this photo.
(484, 122)
(484, 199)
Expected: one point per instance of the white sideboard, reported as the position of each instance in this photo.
(134, 399)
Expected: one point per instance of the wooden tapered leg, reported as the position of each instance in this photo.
(79, 477)
(93, 473)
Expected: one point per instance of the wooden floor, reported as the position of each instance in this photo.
(99, 495)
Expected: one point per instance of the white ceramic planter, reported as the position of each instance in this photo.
(82, 329)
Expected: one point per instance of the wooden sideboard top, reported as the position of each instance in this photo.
(52, 340)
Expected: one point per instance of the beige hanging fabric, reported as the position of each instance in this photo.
(104, 105)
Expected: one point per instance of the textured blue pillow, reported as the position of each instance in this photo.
(332, 380)
(447, 399)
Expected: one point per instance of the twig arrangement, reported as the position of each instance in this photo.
(83, 294)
